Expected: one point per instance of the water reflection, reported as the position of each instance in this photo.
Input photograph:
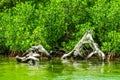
(59, 70)
(86, 65)
(70, 67)
(55, 66)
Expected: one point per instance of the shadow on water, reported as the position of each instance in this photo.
(59, 70)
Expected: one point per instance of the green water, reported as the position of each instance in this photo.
(57, 70)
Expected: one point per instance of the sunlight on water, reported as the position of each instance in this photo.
(57, 70)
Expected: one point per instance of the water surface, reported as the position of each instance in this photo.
(58, 70)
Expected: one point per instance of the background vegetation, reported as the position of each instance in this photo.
(58, 23)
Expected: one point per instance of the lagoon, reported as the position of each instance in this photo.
(59, 70)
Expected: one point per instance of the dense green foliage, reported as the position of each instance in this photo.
(58, 23)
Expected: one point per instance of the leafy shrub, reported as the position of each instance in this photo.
(59, 23)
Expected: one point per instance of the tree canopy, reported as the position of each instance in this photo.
(58, 23)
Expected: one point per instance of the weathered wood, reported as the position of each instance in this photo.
(39, 49)
(33, 54)
(86, 39)
(95, 51)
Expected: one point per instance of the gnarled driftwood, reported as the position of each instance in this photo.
(33, 54)
(87, 38)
